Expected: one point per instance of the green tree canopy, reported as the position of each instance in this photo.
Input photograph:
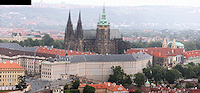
(21, 83)
(189, 85)
(138, 91)
(139, 79)
(88, 89)
(147, 72)
(119, 77)
(158, 73)
(172, 75)
(47, 40)
(76, 84)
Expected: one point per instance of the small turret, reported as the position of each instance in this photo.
(147, 84)
(174, 46)
(164, 44)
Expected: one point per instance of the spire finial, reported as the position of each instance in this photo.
(69, 18)
(79, 14)
(104, 7)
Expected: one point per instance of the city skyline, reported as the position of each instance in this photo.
(193, 3)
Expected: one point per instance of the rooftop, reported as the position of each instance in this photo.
(106, 85)
(10, 64)
(109, 58)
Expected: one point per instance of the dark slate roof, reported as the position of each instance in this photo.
(91, 34)
(109, 58)
(15, 34)
(16, 46)
(11, 52)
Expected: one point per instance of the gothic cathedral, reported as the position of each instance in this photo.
(103, 40)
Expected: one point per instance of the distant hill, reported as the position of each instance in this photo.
(139, 17)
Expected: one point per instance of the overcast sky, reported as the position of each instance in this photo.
(194, 3)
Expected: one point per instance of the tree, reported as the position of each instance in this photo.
(47, 40)
(180, 68)
(66, 86)
(76, 84)
(189, 85)
(36, 43)
(127, 80)
(14, 41)
(119, 77)
(139, 79)
(138, 91)
(88, 89)
(157, 73)
(147, 72)
(21, 83)
(172, 75)
(149, 65)
(189, 71)
(58, 44)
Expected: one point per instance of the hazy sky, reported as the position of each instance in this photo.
(195, 3)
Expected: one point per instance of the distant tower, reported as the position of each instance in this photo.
(164, 44)
(103, 34)
(174, 46)
(69, 35)
(79, 34)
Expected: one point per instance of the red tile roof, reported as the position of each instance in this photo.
(158, 51)
(10, 64)
(130, 51)
(61, 52)
(107, 85)
(190, 54)
(195, 91)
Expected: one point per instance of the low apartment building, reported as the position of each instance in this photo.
(9, 72)
(98, 67)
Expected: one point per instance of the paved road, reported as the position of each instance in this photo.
(36, 84)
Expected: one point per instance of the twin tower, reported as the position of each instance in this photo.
(102, 40)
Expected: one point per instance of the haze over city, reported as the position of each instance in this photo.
(193, 3)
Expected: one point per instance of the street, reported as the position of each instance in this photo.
(36, 84)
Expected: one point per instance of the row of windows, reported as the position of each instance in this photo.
(7, 80)
(8, 72)
(7, 76)
(47, 73)
(46, 76)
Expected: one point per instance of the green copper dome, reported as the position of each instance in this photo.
(147, 82)
(177, 43)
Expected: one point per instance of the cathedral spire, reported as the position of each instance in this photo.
(79, 31)
(104, 13)
(103, 20)
(69, 19)
(69, 29)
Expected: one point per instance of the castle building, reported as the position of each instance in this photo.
(95, 67)
(103, 40)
